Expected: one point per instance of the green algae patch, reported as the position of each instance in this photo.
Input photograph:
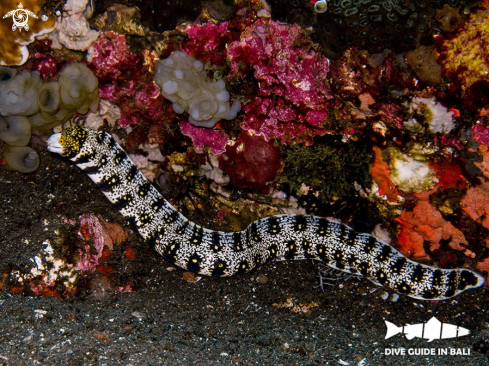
(329, 166)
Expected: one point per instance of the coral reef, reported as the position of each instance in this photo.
(381, 176)
(476, 205)
(464, 56)
(423, 62)
(290, 100)
(409, 174)
(215, 140)
(437, 118)
(182, 80)
(251, 162)
(338, 25)
(73, 31)
(99, 235)
(110, 57)
(126, 80)
(208, 42)
(401, 140)
(328, 167)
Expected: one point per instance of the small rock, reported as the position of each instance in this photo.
(101, 336)
(189, 277)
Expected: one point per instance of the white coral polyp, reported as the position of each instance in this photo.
(183, 81)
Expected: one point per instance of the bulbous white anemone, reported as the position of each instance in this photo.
(183, 80)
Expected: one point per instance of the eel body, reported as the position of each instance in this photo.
(216, 253)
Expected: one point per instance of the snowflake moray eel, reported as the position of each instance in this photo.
(216, 253)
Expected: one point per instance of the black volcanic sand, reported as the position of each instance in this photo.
(209, 322)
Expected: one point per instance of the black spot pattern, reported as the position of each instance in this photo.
(193, 263)
(124, 201)
(216, 246)
(273, 226)
(158, 204)
(272, 252)
(119, 157)
(398, 265)
(384, 254)
(300, 223)
(322, 229)
(196, 238)
(110, 183)
(238, 245)
(90, 170)
(171, 251)
(291, 249)
(180, 230)
(216, 253)
(243, 267)
(144, 189)
(132, 173)
(219, 268)
(85, 158)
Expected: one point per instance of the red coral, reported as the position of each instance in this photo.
(381, 176)
(47, 65)
(451, 141)
(390, 114)
(449, 175)
(146, 105)
(251, 162)
(425, 223)
(290, 101)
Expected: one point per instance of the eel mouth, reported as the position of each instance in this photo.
(54, 145)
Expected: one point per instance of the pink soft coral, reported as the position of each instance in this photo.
(208, 42)
(110, 56)
(290, 101)
(215, 139)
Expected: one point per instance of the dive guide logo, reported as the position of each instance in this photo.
(20, 17)
(432, 329)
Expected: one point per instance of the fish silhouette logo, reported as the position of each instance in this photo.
(432, 329)
(20, 17)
